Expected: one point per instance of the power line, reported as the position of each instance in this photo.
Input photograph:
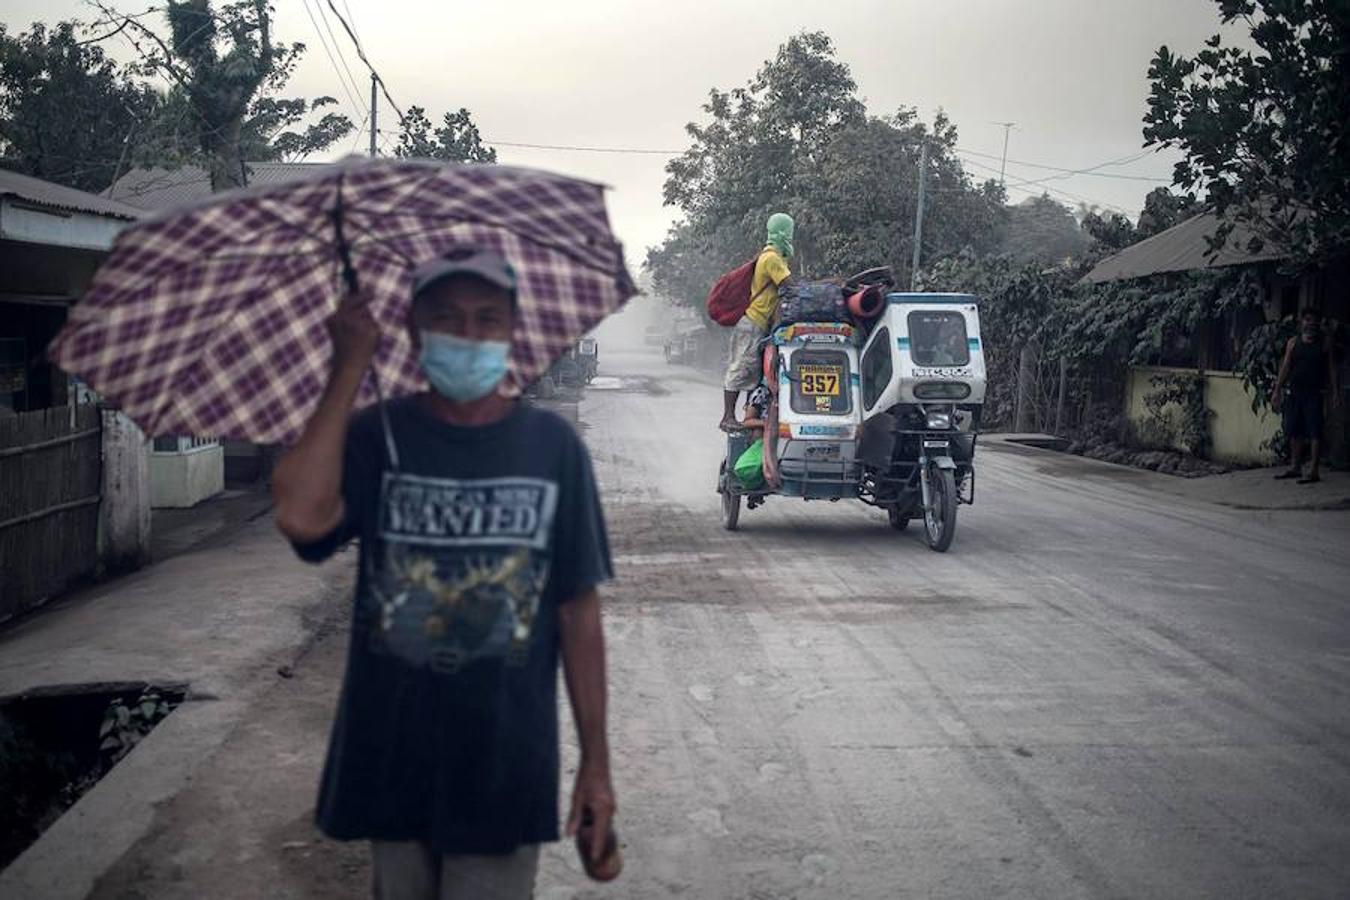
(357, 106)
(1090, 170)
(1026, 186)
(351, 18)
(360, 132)
(636, 150)
(579, 149)
(361, 54)
(342, 57)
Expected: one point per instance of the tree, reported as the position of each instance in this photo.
(1043, 230)
(797, 138)
(1110, 232)
(224, 65)
(67, 111)
(1163, 209)
(276, 129)
(1265, 134)
(457, 139)
(859, 199)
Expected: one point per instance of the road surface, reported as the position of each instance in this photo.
(1101, 691)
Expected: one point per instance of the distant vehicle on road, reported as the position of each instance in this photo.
(574, 369)
(655, 335)
(686, 345)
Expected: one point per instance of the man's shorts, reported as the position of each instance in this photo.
(745, 365)
(411, 871)
(1303, 415)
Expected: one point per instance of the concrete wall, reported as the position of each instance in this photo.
(1236, 434)
(185, 479)
(124, 513)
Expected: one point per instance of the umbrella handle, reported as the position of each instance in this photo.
(385, 426)
(344, 252)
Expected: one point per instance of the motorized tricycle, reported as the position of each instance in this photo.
(885, 411)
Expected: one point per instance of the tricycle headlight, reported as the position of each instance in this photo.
(939, 420)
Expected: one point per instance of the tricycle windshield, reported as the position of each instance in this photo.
(820, 382)
(938, 338)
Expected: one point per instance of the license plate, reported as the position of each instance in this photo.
(935, 445)
(820, 381)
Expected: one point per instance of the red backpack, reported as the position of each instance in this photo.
(730, 296)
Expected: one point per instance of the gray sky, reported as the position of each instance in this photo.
(623, 73)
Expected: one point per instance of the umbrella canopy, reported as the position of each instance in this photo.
(210, 319)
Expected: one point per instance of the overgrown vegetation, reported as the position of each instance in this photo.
(1264, 132)
(1178, 416)
(49, 760)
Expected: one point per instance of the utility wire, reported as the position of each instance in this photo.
(572, 148)
(1090, 170)
(337, 48)
(357, 106)
(350, 18)
(361, 54)
(360, 132)
(1024, 186)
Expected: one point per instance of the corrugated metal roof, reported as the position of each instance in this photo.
(1180, 248)
(158, 188)
(58, 196)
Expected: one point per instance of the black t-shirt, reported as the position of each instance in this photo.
(447, 727)
(1308, 367)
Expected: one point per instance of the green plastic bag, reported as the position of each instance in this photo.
(750, 466)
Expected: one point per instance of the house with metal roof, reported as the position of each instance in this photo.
(52, 239)
(75, 488)
(158, 188)
(1237, 434)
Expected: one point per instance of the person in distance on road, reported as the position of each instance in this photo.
(771, 270)
(1308, 371)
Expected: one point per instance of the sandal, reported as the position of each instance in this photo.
(1292, 473)
(1311, 479)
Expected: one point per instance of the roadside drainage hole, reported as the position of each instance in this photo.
(56, 743)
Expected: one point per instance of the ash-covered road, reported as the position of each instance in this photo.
(1102, 691)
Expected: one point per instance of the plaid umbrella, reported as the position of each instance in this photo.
(210, 319)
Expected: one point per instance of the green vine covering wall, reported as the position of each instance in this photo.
(1178, 413)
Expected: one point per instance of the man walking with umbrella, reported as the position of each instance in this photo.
(482, 542)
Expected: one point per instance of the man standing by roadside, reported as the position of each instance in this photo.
(1308, 369)
(771, 270)
(481, 545)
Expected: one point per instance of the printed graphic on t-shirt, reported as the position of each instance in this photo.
(460, 568)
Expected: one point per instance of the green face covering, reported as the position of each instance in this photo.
(781, 228)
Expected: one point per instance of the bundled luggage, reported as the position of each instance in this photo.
(812, 301)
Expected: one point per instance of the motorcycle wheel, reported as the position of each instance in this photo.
(731, 502)
(939, 518)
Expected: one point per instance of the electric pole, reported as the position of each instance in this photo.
(918, 214)
(1003, 166)
(374, 103)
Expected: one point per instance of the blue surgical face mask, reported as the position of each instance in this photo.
(462, 370)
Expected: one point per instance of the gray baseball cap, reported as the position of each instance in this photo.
(485, 264)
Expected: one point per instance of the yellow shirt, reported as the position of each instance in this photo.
(771, 270)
